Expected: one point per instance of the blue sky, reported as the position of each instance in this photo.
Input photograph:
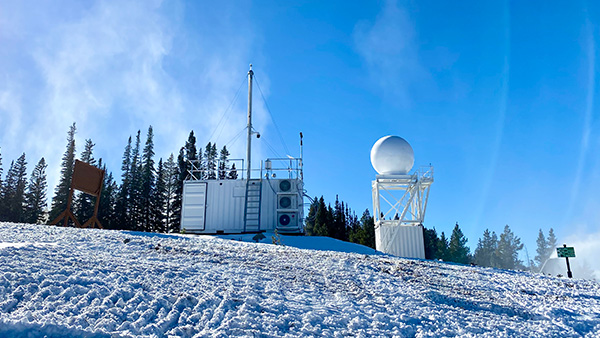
(499, 96)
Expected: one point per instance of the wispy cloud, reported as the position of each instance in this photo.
(388, 46)
(117, 66)
(11, 112)
(587, 120)
(105, 69)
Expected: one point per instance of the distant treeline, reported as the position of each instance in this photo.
(147, 199)
(340, 222)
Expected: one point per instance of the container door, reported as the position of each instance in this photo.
(193, 209)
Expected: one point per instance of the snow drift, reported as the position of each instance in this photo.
(97, 283)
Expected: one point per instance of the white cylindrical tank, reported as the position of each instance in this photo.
(392, 155)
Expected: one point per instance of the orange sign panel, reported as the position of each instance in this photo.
(87, 178)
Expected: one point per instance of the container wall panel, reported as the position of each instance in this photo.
(403, 241)
(268, 205)
(224, 211)
(194, 198)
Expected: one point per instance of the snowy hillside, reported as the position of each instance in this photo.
(96, 283)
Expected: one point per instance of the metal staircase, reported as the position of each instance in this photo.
(252, 205)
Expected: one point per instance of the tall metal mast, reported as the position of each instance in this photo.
(249, 149)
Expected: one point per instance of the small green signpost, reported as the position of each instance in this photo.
(566, 252)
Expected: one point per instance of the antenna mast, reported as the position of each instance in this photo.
(249, 149)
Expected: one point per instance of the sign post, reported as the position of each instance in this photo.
(566, 252)
(88, 179)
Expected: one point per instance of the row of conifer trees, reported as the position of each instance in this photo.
(23, 200)
(338, 221)
(148, 197)
(491, 251)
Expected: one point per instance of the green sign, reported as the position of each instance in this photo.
(566, 251)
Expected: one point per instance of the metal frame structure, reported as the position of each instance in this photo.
(405, 198)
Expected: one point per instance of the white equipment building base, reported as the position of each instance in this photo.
(399, 204)
(407, 241)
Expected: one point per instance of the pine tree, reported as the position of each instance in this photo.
(191, 153)
(233, 175)
(210, 157)
(61, 193)
(352, 223)
(223, 155)
(329, 222)
(171, 178)
(215, 156)
(457, 248)
(338, 224)
(508, 249)
(135, 192)
(310, 218)
(541, 251)
(367, 223)
(160, 199)
(19, 197)
(431, 241)
(551, 242)
(36, 194)
(175, 222)
(485, 253)
(148, 184)
(122, 204)
(442, 249)
(7, 189)
(321, 218)
(107, 214)
(343, 228)
(13, 199)
(84, 204)
(201, 166)
(191, 157)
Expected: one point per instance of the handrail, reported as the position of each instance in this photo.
(271, 167)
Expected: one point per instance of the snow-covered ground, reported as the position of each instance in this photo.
(59, 282)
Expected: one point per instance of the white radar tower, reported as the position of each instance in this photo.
(399, 198)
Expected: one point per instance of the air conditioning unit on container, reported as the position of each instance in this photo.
(285, 186)
(287, 201)
(287, 220)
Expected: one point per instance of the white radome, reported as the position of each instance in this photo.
(392, 155)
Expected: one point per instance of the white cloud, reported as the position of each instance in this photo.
(390, 51)
(118, 66)
(11, 112)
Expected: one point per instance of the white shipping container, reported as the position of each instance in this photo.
(219, 206)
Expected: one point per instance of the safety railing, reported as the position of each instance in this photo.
(233, 169)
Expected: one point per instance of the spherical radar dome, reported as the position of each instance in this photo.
(392, 155)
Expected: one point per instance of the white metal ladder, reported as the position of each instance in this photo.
(252, 205)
